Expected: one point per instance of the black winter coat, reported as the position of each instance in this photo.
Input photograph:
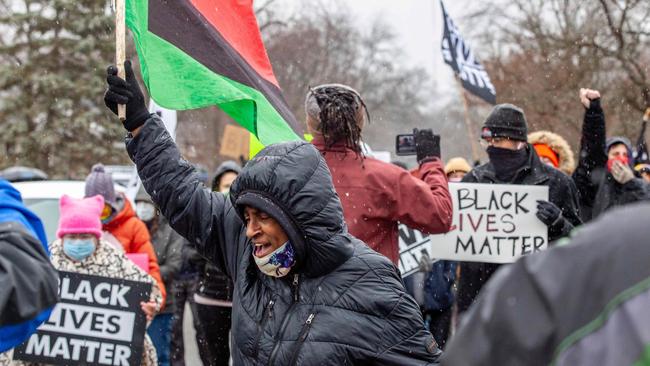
(599, 191)
(562, 192)
(342, 304)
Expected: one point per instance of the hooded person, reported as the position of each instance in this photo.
(514, 161)
(305, 290)
(586, 303)
(553, 150)
(376, 195)
(29, 281)
(605, 176)
(168, 246)
(120, 220)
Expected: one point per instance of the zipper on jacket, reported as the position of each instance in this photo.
(265, 317)
(301, 338)
(295, 287)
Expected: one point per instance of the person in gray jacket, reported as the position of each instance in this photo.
(305, 290)
(583, 302)
(168, 246)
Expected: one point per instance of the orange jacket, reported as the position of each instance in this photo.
(134, 236)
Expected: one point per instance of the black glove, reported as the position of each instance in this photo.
(127, 92)
(548, 213)
(427, 145)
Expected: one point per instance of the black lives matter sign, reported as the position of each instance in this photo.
(98, 321)
(493, 223)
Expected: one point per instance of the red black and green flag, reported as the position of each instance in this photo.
(198, 53)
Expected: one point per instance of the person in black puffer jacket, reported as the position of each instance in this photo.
(305, 290)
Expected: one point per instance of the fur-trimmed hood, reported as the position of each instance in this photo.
(559, 145)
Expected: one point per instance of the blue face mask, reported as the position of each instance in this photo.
(78, 249)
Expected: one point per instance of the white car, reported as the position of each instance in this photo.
(42, 197)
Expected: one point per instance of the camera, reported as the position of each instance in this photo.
(405, 144)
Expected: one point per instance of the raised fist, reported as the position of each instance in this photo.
(587, 95)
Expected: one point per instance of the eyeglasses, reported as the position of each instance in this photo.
(492, 141)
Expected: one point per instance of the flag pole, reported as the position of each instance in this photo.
(120, 48)
(468, 122)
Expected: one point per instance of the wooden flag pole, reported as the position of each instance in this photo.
(120, 48)
(468, 124)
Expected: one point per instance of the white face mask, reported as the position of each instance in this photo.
(145, 211)
(277, 263)
(455, 179)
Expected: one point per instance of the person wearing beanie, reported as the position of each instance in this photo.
(456, 169)
(553, 150)
(25, 271)
(168, 245)
(119, 219)
(604, 176)
(80, 249)
(512, 160)
(305, 290)
(376, 195)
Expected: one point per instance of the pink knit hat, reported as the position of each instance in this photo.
(80, 216)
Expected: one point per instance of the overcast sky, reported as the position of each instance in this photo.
(418, 26)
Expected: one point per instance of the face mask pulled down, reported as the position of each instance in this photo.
(277, 263)
(79, 249)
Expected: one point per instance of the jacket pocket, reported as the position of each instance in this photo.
(301, 338)
(268, 311)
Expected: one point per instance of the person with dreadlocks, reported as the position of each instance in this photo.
(376, 195)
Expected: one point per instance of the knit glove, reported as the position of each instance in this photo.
(549, 213)
(622, 173)
(427, 145)
(126, 92)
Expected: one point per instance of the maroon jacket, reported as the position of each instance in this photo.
(376, 195)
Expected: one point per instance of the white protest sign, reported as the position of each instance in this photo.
(493, 223)
(98, 321)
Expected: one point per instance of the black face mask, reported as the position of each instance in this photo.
(507, 162)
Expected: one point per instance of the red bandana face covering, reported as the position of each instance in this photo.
(622, 159)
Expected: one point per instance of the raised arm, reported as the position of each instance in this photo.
(423, 202)
(593, 158)
(192, 210)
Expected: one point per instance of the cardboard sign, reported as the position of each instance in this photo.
(234, 142)
(98, 321)
(493, 223)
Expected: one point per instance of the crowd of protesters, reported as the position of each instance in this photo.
(292, 259)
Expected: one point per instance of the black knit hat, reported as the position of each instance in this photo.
(506, 120)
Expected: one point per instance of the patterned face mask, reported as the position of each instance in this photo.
(277, 263)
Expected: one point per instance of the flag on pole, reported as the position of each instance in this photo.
(460, 57)
(198, 53)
